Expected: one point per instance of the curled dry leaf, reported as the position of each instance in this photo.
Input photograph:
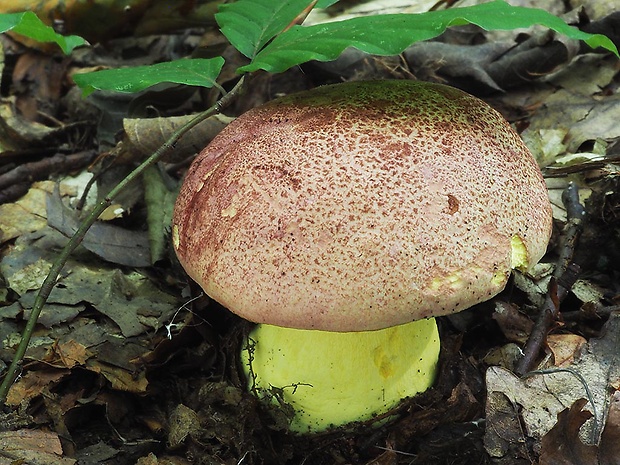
(565, 347)
(562, 444)
(144, 136)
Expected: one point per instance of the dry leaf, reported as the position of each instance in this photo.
(515, 325)
(538, 399)
(120, 378)
(68, 354)
(32, 383)
(183, 422)
(609, 449)
(145, 135)
(31, 447)
(565, 347)
(562, 444)
(110, 242)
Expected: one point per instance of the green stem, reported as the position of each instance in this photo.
(78, 236)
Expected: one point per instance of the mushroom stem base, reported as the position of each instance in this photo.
(331, 378)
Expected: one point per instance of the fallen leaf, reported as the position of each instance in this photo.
(504, 436)
(110, 242)
(562, 444)
(29, 213)
(565, 347)
(32, 383)
(23, 216)
(97, 453)
(38, 80)
(584, 116)
(120, 378)
(145, 135)
(587, 75)
(31, 446)
(587, 291)
(159, 199)
(515, 325)
(609, 448)
(68, 354)
(18, 135)
(129, 299)
(505, 356)
(152, 459)
(183, 422)
(537, 399)
(547, 144)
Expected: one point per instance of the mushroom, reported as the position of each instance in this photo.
(344, 219)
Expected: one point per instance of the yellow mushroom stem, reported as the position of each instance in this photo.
(334, 378)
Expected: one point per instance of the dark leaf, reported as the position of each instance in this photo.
(562, 444)
(609, 449)
(114, 244)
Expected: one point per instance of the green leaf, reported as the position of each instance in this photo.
(325, 3)
(391, 34)
(29, 25)
(192, 72)
(250, 24)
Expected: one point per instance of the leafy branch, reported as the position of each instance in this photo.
(266, 33)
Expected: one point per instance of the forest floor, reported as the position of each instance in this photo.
(130, 363)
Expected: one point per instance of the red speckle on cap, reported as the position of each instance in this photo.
(360, 206)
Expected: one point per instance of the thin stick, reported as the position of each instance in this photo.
(564, 276)
(78, 236)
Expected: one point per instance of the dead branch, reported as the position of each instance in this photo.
(565, 275)
(16, 182)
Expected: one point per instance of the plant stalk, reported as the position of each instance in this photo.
(78, 236)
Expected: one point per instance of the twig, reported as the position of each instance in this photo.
(594, 312)
(558, 290)
(26, 173)
(77, 237)
(584, 383)
(564, 277)
(572, 230)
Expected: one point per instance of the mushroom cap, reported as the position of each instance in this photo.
(360, 206)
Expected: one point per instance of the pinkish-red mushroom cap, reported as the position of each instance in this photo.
(360, 206)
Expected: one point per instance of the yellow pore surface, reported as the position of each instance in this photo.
(519, 254)
(333, 378)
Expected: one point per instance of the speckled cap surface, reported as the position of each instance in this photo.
(360, 206)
